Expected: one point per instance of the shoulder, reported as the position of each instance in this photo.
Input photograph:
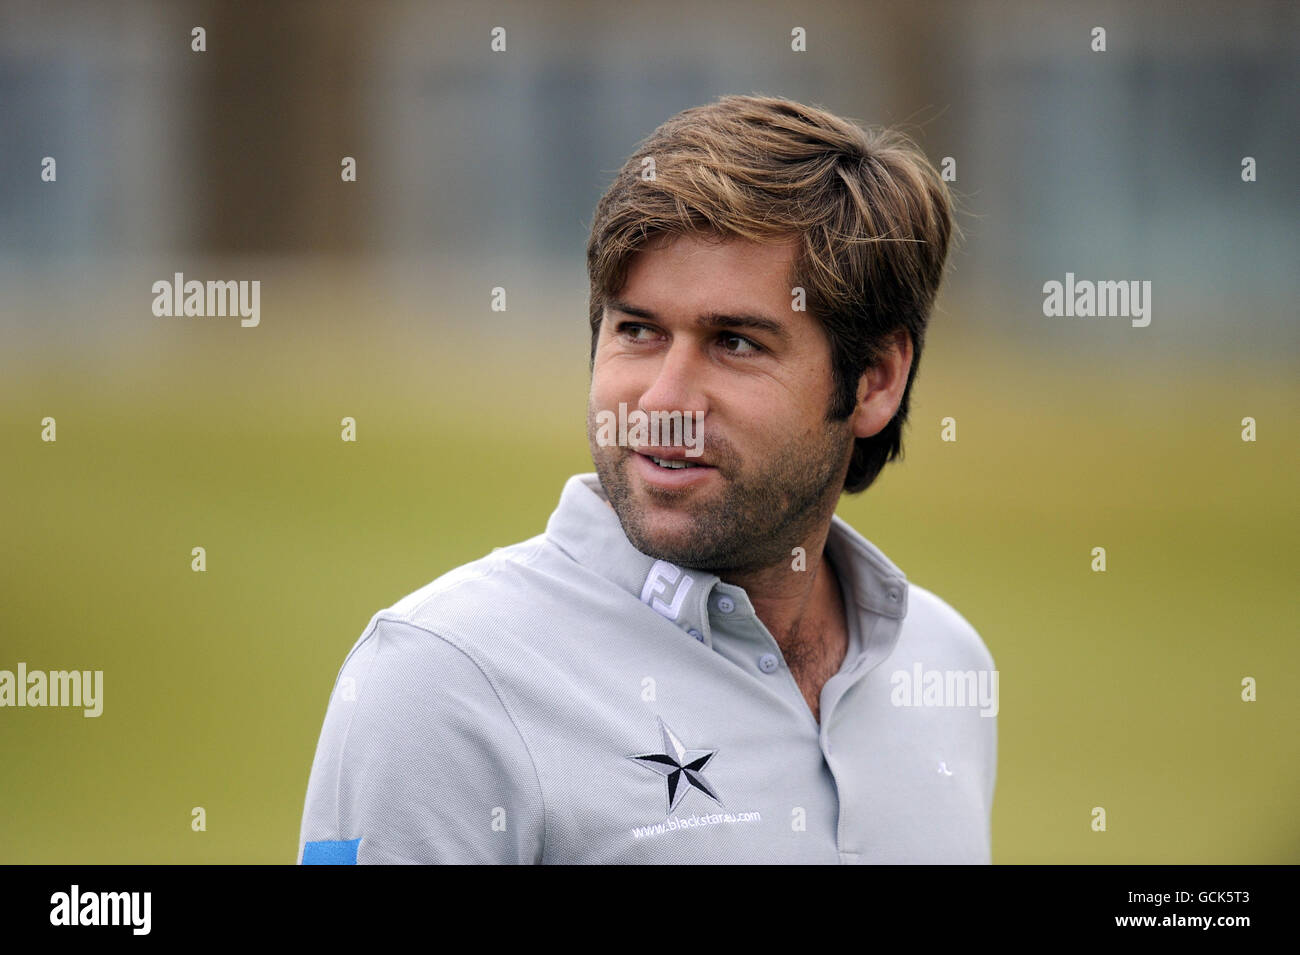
(452, 623)
(933, 620)
(417, 739)
(498, 571)
(425, 669)
(472, 599)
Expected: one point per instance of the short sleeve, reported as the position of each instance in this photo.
(419, 761)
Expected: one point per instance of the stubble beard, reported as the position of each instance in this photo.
(755, 520)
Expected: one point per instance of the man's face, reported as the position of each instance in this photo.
(702, 326)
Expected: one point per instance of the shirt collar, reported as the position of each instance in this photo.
(586, 528)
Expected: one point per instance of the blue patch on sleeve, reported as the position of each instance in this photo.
(330, 852)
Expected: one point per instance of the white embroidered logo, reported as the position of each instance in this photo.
(664, 574)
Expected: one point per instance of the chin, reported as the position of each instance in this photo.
(664, 538)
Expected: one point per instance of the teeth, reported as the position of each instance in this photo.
(672, 464)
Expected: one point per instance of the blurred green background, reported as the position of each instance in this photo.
(1119, 690)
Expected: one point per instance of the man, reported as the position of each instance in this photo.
(698, 661)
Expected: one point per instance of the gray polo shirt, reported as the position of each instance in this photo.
(569, 699)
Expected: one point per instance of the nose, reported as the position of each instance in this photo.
(678, 381)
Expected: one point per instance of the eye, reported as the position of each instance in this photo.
(632, 330)
(739, 345)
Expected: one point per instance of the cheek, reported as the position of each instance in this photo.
(602, 394)
(781, 421)
(600, 378)
(613, 381)
(815, 399)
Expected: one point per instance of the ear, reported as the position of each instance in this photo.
(880, 389)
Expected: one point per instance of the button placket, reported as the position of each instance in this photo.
(695, 615)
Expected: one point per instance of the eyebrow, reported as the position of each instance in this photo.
(710, 320)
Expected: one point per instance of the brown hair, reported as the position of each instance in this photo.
(872, 215)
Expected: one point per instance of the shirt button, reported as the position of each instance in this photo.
(696, 634)
(768, 663)
(726, 604)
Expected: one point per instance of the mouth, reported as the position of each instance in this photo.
(670, 468)
(672, 456)
(674, 465)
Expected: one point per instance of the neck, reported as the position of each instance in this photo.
(795, 605)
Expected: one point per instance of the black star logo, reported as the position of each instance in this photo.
(683, 768)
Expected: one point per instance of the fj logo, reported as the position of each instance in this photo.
(663, 575)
